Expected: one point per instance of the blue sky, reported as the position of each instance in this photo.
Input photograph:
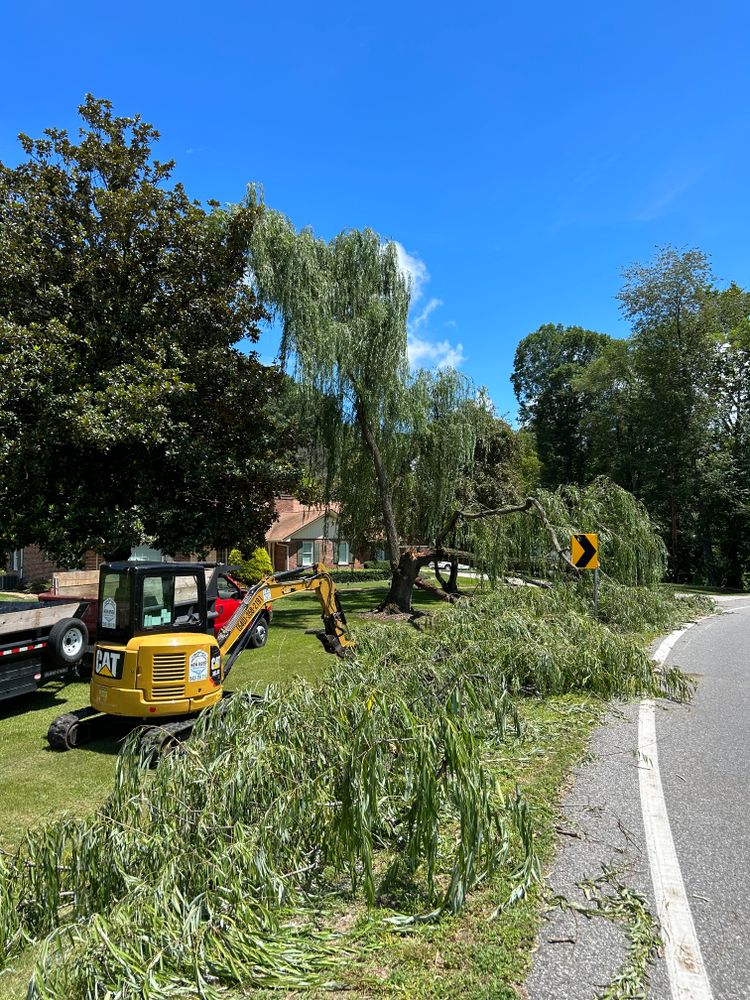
(520, 154)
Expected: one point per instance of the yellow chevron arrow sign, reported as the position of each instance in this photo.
(584, 551)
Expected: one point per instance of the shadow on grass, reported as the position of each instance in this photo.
(35, 701)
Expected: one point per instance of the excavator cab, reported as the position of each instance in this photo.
(150, 598)
(156, 654)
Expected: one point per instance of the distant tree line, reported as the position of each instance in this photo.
(665, 412)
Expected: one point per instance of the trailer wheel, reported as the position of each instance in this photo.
(67, 642)
(259, 634)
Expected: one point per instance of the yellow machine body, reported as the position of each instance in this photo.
(157, 659)
(157, 675)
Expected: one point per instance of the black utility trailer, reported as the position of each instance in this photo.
(39, 641)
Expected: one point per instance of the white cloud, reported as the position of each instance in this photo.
(420, 320)
(434, 354)
(412, 267)
(423, 352)
(662, 202)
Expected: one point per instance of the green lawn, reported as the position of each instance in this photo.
(37, 783)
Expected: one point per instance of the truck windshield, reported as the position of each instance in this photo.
(114, 601)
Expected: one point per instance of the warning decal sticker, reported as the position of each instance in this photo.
(109, 613)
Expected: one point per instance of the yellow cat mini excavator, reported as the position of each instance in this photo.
(156, 661)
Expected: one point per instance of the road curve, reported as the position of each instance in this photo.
(704, 757)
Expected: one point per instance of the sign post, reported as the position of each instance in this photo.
(584, 554)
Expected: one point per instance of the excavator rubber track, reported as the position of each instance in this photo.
(76, 728)
(155, 741)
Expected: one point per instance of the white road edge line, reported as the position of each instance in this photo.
(687, 973)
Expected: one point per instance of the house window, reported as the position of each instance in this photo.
(307, 553)
(343, 559)
(16, 560)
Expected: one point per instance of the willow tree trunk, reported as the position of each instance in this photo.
(399, 598)
(450, 586)
(405, 566)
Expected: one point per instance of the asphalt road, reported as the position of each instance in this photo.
(704, 760)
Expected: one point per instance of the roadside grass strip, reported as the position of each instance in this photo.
(387, 788)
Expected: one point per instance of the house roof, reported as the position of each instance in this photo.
(290, 522)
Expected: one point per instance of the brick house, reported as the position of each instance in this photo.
(31, 565)
(304, 535)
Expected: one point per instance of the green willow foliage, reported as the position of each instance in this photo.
(211, 870)
(343, 307)
(630, 548)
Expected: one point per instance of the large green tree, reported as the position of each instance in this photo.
(546, 365)
(667, 411)
(674, 354)
(725, 465)
(132, 410)
(394, 444)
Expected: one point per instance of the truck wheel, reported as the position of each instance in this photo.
(67, 642)
(259, 634)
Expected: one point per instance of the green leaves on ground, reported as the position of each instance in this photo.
(378, 783)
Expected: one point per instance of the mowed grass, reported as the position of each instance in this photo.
(37, 783)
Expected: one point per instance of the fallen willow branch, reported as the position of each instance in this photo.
(530, 503)
(210, 872)
(450, 597)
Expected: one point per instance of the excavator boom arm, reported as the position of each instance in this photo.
(335, 634)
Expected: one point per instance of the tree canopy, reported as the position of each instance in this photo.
(132, 410)
(416, 459)
(546, 364)
(664, 412)
(396, 443)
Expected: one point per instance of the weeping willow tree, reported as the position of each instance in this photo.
(396, 445)
(631, 550)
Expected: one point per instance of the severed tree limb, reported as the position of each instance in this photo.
(534, 581)
(423, 584)
(530, 503)
(439, 576)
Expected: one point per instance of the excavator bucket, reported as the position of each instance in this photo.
(331, 644)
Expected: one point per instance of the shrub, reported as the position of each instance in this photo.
(251, 570)
(381, 564)
(359, 575)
